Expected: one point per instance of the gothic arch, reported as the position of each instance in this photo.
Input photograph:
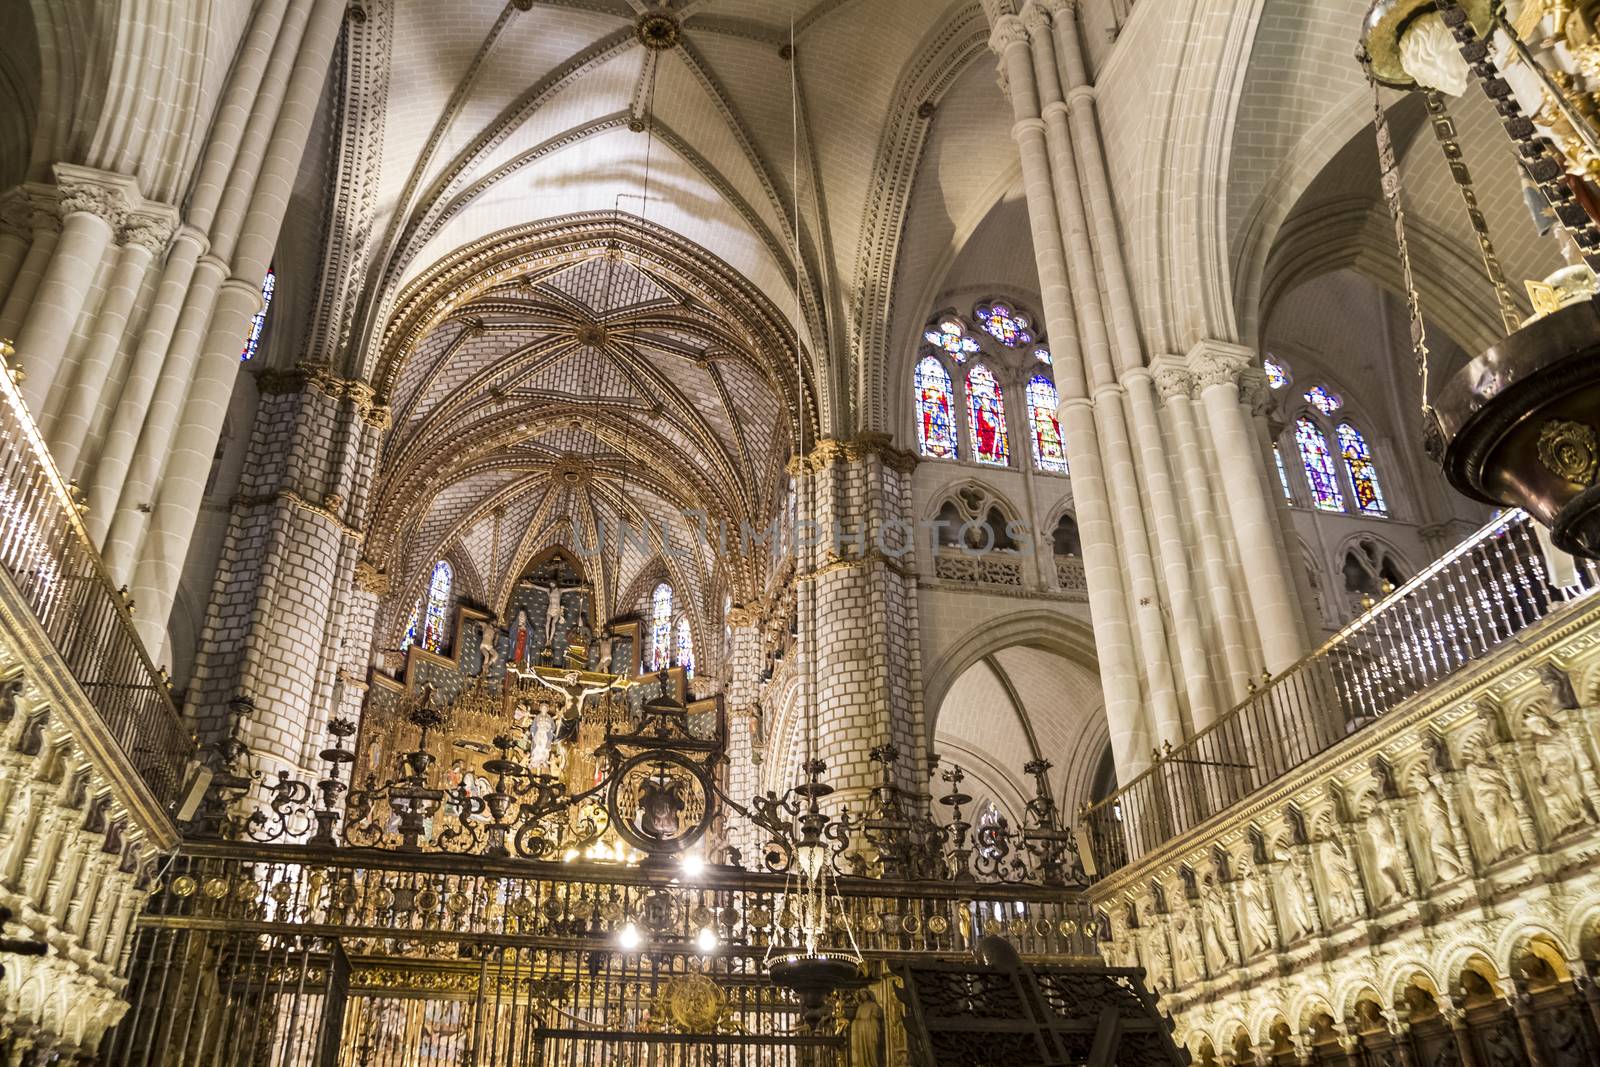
(1070, 638)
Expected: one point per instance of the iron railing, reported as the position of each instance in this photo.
(1491, 587)
(49, 557)
(337, 957)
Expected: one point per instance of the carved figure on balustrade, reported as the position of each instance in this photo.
(1436, 828)
(1339, 879)
(1259, 933)
(1296, 897)
(1216, 929)
(1185, 953)
(1491, 795)
(1554, 769)
(1158, 959)
(1388, 861)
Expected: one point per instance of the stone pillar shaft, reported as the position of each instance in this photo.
(1119, 664)
(1254, 525)
(166, 543)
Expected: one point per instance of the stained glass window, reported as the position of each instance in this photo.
(661, 627)
(951, 336)
(987, 409)
(1042, 354)
(252, 340)
(936, 424)
(1277, 377)
(1324, 401)
(438, 605)
(1049, 450)
(411, 626)
(1005, 324)
(683, 642)
(1318, 462)
(1363, 475)
(1283, 474)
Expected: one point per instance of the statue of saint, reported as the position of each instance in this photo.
(866, 1032)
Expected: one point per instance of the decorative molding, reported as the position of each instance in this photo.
(102, 194)
(1218, 363)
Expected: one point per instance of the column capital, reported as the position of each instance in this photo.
(1254, 390)
(1172, 377)
(1009, 31)
(1058, 8)
(150, 227)
(995, 10)
(102, 194)
(1218, 362)
(16, 213)
(1036, 19)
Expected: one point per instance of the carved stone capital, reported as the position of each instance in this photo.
(150, 227)
(1216, 363)
(1035, 18)
(1059, 9)
(369, 579)
(1009, 31)
(16, 214)
(1171, 378)
(1254, 391)
(95, 192)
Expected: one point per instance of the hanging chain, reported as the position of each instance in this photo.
(1444, 131)
(1389, 171)
(1539, 158)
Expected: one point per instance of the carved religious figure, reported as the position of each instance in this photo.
(866, 1032)
(487, 651)
(1438, 831)
(1554, 767)
(1388, 861)
(1215, 929)
(1185, 957)
(552, 612)
(1491, 795)
(1339, 878)
(1259, 934)
(1297, 922)
(519, 648)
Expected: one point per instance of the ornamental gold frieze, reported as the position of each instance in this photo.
(831, 450)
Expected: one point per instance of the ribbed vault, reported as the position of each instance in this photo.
(595, 383)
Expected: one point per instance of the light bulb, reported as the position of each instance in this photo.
(706, 940)
(692, 866)
(629, 938)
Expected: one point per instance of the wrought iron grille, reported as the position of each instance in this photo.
(343, 957)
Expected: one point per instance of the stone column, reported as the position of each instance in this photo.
(92, 207)
(144, 236)
(1217, 368)
(748, 721)
(858, 611)
(16, 234)
(182, 485)
(289, 553)
(44, 226)
(1228, 647)
(1119, 663)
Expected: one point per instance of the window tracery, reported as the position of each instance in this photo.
(951, 336)
(683, 645)
(1363, 475)
(1324, 401)
(1004, 323)
(1049, 449)
(426, 625)
(1277, 374)
(987, 410)
(661, 627)
(1318, 463)
(936, 428)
